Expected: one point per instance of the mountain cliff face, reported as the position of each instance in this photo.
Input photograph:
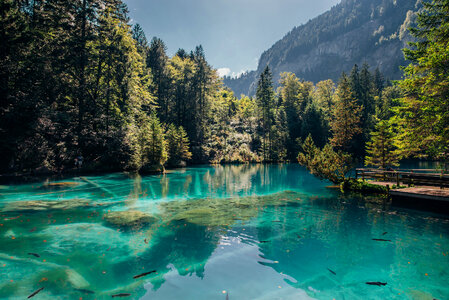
(352, 32)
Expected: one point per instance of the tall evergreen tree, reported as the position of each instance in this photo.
(157, 63)
(381, 150)
(177, 146)
(424, 115)
(289, 92)
(265, 101)
(345, 124)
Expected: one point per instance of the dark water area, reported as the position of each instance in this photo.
(242, 232)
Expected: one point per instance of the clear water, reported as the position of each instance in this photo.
(241, 232)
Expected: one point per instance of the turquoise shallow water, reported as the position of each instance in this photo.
(241, 232)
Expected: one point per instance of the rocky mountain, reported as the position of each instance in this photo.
(352, 32)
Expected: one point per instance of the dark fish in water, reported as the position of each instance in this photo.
(384, 233)
(146, 241)
(35, 293)
(33, 229)
(121, 295)
(144, 274)
(276, 221)
(34, 254)
(381, 240)
(331, 271)
(376, 283)
(263, 242)
(85, 291)
(298, 236)
(227, 296)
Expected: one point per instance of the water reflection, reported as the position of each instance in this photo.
(253, 231)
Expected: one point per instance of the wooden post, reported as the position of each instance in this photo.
(398, 184)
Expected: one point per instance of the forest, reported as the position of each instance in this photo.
(79, 80)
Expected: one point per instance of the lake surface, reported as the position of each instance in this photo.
(226, 232)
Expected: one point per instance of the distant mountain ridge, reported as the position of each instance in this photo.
(352, 32)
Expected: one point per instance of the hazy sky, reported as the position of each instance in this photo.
(234, 33)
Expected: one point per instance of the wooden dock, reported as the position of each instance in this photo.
(412, 184)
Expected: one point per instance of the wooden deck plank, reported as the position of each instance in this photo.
(425, 193)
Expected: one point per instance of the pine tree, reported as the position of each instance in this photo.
(141, 39)
(177, 146)
(157, 61)
(325, 163)
(289, 92)
(424, 116)
(379, 82)
(345, 124)
(152, 144)
(381, 150)
(265, 101)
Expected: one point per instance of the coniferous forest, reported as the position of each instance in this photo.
(78, 80)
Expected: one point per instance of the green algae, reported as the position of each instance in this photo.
(129, 218)
(225, 212)
(43, 205)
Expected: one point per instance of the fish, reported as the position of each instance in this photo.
(146, 241)
(35, 293)
(331, 271)
(121, 295)
(298, 236)
(144, 274)
(381, 240)
(376, 283)
(227, 296)
(276, 221)
(33, 229)
(85, 291)
(384, 233)
(262, 242)
(34, 254)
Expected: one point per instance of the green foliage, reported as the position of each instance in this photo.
(177, 146)
(381, 149)
(265, 101)
(319, 49)
(345, 124)
(364, 187)
(424, 115)
(325, 163)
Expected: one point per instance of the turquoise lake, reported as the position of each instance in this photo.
(225, 232)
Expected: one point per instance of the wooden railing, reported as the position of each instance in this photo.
(425, 177)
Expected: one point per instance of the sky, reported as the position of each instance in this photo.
(233, 33)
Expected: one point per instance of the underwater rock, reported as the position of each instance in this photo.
(129, 218)
(75, 279)
(59, 276)
(206, 216)
(42, 205)
(223, 212)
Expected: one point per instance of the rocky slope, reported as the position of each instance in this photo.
(352, 32)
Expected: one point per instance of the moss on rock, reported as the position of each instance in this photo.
(129, 218)
(42, 205)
